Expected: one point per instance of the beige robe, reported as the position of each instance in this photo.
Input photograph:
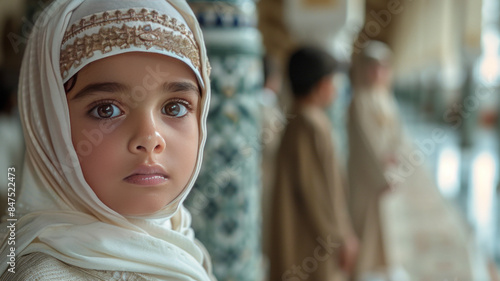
(309, 213)
(374, 137)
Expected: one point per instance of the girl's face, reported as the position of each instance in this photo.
(134, 126)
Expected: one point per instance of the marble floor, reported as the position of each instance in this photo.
(469, 176)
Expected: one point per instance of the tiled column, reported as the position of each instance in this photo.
(225, 201)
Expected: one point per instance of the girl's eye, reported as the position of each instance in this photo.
(175, 109)
(103, 111)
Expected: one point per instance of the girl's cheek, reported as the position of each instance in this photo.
(90, 137)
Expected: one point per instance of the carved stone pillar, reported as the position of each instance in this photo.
(225, 201)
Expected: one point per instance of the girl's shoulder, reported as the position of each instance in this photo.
(43, 267)
(40, 266)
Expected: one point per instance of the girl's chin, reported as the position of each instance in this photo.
(139, 213)
(144, 210)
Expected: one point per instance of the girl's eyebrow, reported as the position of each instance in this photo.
(172, 87)
(111, 87)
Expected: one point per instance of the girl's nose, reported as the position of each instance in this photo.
(147, 138)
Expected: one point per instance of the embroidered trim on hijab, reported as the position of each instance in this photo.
(143, 29)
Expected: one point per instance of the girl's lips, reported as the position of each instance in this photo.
(148, 175)
(141, 179)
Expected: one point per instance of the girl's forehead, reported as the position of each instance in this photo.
(135, 72)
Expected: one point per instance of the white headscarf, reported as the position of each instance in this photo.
(61, 215)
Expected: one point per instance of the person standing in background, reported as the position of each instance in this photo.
(407, 229)
(374, 135)
(311, 233)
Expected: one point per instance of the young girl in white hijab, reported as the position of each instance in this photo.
(113, 97)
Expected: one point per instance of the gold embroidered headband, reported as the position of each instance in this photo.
(109, 33)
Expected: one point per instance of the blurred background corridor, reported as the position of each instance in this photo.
(446, 80)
